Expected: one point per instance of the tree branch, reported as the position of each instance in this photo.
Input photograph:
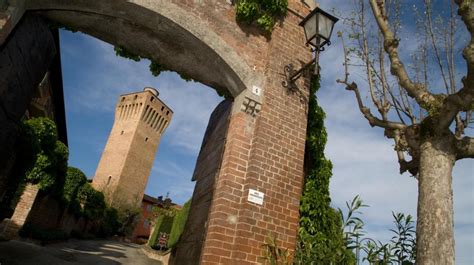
(414, 90)
(465, 148)
(373, 121)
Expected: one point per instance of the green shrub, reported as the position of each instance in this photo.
(92, 201)
(75, 179)
(163, 224)
(44, 157)
(178, 224)
(109, 224)
(41, 159)
(262, 12)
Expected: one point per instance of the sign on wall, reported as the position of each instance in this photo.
(255, 196)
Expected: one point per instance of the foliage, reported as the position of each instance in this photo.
(75, 179)
(127, 218)
(45, 157)
(273, 254)
(178, 224)
(353, 224)
(262, 12)
(404, 240)
(92, 202)
(155, 68)
(400, 250)
(163, 224)
(320, 233)
(109, 223)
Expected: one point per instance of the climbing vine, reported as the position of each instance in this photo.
(263, 13)
(320, 234)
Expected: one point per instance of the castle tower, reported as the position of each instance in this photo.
(123, 170)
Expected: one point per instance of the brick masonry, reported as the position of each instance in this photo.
(188, 250)
(125, 164)
(25, 204)
(264, 147)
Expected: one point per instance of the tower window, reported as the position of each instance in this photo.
(121, 132)
(123, 99)
(135, 97)
(162, 108)
(151, 99)
(146, 139)
(108, 180)
(168, 112)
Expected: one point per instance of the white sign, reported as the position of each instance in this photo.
(255, 197)
(256, 90)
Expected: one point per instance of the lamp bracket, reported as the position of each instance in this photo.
(291, 74)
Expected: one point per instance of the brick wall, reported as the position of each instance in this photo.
(188, 250)
(264, 146)
(25, 204)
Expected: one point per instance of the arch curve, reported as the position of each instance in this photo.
(159, 30)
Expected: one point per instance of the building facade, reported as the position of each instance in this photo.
(125, 165)
(144, 224)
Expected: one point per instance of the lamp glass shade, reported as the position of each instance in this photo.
(318, 26)
(325, 26)
(310, 29)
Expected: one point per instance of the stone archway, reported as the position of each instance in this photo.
(180, 39)
(266, 128)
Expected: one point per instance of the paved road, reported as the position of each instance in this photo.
(97, 252)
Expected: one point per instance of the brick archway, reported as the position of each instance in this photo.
(263, 144)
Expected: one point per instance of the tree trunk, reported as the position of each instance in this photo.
(435, 238)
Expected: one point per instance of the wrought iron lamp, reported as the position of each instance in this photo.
(318, 26)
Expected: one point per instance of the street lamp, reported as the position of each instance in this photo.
(318, 26)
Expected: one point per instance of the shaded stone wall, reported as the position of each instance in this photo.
(24, 60)
(188, 250)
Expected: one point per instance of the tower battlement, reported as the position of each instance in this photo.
(140, 120)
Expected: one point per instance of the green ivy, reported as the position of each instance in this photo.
(45, 158)
(155, 68)
(320, 234)
(262, 12)
(178, 224)
(75, 179)
(164, 224)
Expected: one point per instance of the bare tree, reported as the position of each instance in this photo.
(420, 106)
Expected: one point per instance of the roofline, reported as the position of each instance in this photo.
(127, 94)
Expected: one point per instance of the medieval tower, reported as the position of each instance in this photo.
(125, 165)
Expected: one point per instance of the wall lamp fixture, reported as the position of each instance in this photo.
(318, 26)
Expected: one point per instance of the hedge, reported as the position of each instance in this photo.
(178, 224)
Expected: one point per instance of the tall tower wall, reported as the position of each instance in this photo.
(125, 165)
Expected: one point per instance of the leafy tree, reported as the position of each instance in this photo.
(423, 108)
(320, 233)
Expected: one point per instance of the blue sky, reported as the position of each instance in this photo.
(364, 161)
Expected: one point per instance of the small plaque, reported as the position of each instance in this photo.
(255, 197)
(256, 90)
